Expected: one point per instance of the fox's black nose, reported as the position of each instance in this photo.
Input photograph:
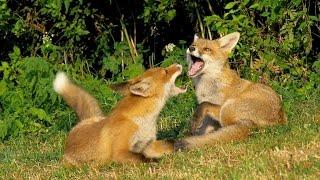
(192, 48)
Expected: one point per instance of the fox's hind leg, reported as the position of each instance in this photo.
(235, 132)
(205, 119)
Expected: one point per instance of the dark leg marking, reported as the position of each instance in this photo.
(139, 146)
(209, 124)
(204, 109)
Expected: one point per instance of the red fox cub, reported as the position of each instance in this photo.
(128, 133)
(228, 105)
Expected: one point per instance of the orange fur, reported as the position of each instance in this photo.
(128, 133)
(229, 106)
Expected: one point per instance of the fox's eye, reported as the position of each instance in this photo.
(166, 71)
(207, 49)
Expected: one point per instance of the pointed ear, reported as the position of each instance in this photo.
(122, 88)
(195, 37)
(141, 88)
(228, 42)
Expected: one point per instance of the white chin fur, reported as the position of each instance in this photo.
(176, 90)
(60, 82)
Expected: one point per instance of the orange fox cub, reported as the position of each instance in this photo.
(228, 105)
(128, 133)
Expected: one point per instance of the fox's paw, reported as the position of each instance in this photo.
(180, 145)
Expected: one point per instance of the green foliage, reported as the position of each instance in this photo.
(157, 11)
(275, 42)
(28, 103)
(120, 63)
(26, 95)
(174, 54)
(5, 13)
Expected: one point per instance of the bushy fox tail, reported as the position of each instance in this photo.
(82, 102)
(225, 134)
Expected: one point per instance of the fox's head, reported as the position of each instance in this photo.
(155, 82)
(209, 56)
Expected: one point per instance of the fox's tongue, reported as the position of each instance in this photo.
(195, 67)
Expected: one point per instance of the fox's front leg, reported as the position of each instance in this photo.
(205, 119)
(153, 148)
(158, 148)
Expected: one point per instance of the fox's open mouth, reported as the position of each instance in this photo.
(197, 65)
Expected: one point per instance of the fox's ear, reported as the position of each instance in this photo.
(122, 88)
(141, 88)
(228, 42)
(195, 37)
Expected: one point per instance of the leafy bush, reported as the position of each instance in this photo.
(27, 100)
(26, 95)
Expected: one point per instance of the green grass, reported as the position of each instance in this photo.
(290, 152)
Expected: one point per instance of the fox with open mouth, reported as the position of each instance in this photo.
(128, 133)
(229, 107)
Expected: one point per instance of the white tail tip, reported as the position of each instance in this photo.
(60, 82)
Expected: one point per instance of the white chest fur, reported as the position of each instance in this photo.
(147, 128)
(208, 90)
(146, 133)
